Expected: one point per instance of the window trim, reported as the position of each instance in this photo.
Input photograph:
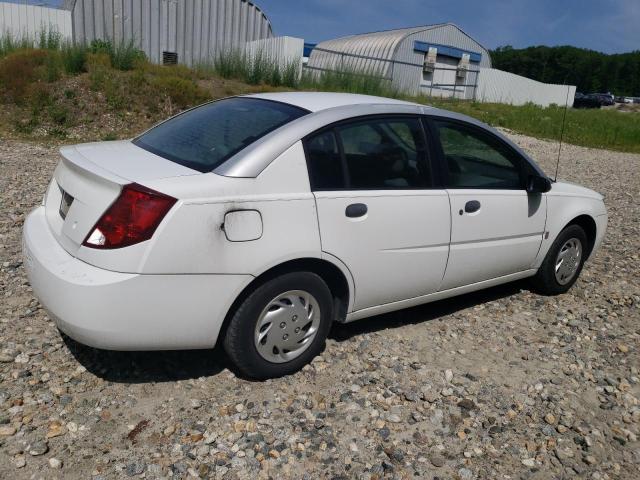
(426, 155)
(523, 166)
(305, 143)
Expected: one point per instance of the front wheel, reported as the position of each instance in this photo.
(281, 326)
(563, 263)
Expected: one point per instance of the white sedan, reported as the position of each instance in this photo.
(260, 220)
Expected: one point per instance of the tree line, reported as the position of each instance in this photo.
(589, 70)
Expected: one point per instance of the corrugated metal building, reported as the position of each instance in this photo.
(435, 59)
(189, 31)
(192, 30)
(23, 21)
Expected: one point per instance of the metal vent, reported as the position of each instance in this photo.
(463, 66)
(169, 58)
(430, 59)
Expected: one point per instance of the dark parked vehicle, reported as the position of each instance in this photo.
(586, 101)
(606, 99)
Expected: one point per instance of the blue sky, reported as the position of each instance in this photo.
(610, 26)
(604, 25)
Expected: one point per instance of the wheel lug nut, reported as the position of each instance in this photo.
(283, 325)
(285, 336)
(294, 318)
(298, 330)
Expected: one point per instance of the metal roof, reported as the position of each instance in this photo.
(375, 52)
(380, 45)
(70, 4)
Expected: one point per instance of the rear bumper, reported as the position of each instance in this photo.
(124, 311)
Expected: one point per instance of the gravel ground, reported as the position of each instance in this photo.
(498, 384)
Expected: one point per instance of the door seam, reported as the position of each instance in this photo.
(446, 265)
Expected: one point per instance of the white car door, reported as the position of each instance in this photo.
(377, 210)
(497, 227)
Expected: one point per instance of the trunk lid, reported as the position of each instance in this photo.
(89, 178)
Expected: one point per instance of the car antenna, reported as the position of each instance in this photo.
(564, 119)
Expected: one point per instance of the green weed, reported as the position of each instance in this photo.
(74, 57)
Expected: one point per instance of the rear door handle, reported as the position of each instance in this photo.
(472, 207)
(356, 210)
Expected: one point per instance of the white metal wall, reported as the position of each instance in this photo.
(284, 51)
(496, 86)
(27, 21)
(194, 29)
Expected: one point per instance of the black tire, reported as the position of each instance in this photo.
(545, 281)
(239, 343)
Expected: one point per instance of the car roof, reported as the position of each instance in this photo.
(318, 101)
(327, 108)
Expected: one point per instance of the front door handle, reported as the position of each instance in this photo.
(472, 207)
(356, 210)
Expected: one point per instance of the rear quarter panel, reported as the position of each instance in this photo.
(193, 241)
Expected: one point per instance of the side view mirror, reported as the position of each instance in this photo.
(538, 184)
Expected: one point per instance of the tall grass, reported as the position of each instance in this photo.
(348, 81)
(49, 39)
(260, 69)
(10, 44)
(123, 55)
(256, 69)
(74, 58)
(230, 63)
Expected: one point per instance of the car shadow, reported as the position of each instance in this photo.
(158, 367)
(148, 367)
(423, 313)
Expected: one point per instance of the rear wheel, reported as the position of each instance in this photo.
(563, 263)
(281, 326)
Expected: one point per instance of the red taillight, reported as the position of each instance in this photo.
(131, 219)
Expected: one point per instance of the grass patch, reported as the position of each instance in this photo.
(9, 44)
(228, 64)
(349, 82)
(74, 58)
(608, 129)
(22, 70)
(49, 39)
(123, 56)
(257, 69)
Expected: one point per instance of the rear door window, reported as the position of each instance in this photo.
(372, 154)
(205, 137)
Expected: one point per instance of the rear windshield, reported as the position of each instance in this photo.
(205, 137)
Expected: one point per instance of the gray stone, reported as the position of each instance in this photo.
(38, 448)
(135, 468)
